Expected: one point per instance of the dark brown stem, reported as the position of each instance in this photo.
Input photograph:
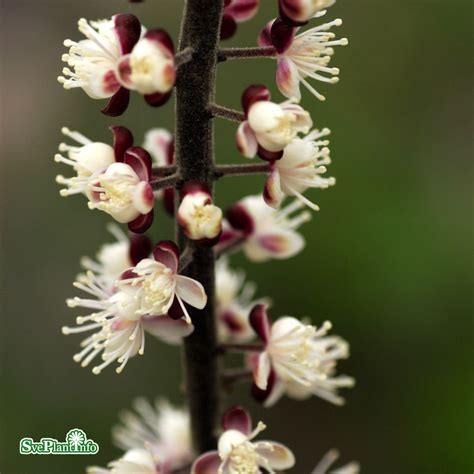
(162, 171)
(241, 170)
(183, 56)
(245, 53)
(167, 182)
(225, 348)
(195, 160)
(225, 113)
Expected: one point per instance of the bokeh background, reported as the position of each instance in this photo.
(388, 259)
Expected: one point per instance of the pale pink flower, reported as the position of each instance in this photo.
(238, 453)
(297, 12)
(302, 56)
(159, 288)
(262, 232)
(302, 166)
(134, 461)
(268, 127)
(298, 360)
(236, 11)
(328, 459)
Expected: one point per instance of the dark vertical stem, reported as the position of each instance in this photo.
(195, 160)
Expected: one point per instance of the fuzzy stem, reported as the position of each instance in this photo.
(167, 182)
(241, 170)
(225, 113)
(245, 53)
(195, 160)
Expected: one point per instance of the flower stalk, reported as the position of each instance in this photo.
(241, 170)
(245, 53)
(225, 113)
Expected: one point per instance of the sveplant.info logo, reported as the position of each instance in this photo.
(76, 443)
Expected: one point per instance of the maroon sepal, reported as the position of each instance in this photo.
(140, 161)
(128, 29)
(237, 418)
(240, 219)
(161, 36)
(282, 35)
(123, 140)
(140, 248)
(228, 27)
(252, 94)
(167, 253)
(127, 275)
(118, 103)
(269, 155)
(262, 395)
(175, 311)
(158, 98)
(286, 18)
(168, 200)
(142, 223)
(259, 321)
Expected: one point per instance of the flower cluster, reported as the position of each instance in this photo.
(134, 288)
(133, 293)
(117, 56)
(115, 180)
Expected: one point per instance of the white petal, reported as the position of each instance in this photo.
(262, 371)
(191, 291)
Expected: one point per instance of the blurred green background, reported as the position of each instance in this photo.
(388, 259)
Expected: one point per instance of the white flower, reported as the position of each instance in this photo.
(165, 430)
(233, 303)
(303, 162)
(120, 192)
(158, 285)
(86, 158)
(120, 330)
(151, 64)
(135, 461)
(198, 216)
(329, 458)
(303, 56)
(237, 453)
(264, 232)
(271, 127)
(94, 61)
(112, 259)
(297, 359)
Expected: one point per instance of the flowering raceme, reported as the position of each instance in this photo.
(268, 127)
(237, 452)
(132, 287)
(117, 56)
(297, 359)
(302, 56)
